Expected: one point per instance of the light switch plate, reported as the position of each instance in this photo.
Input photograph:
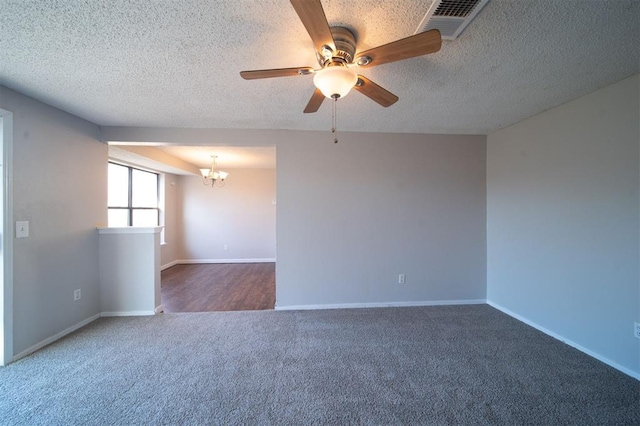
(22, 229)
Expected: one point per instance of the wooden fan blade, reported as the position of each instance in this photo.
(375, 92)
(415, 45)
(314, 102)
(275, 72)
(314, 20)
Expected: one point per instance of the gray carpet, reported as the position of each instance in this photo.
(426, 365)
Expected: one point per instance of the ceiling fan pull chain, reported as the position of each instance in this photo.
(334, 126)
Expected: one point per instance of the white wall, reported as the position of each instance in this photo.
(64, 200)
(563, 221)
(241, 215)
(353, 215)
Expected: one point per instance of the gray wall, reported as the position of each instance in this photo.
(64, 200)
(563, 221)
(129, 271)
(354, 215)
(172, 233)
(241, 215)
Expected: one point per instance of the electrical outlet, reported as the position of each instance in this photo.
(636, 329)
(77, 295)
(226, 247)
(401, 279)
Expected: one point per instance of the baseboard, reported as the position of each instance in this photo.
(194, 261)
(571, 343)
(128, 313)
(381, 305)
(169, 265)
(53, 338)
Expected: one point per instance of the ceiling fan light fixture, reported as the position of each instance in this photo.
(335, 81)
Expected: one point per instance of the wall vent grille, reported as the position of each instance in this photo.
(451, 17)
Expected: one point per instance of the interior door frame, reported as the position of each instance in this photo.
(6, 238)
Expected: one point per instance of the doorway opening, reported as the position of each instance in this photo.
(218, 250)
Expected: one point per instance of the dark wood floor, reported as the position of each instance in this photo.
(219, 287)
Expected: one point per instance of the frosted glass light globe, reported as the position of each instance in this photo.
(335, 81)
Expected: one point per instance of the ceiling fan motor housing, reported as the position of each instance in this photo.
(345, 42)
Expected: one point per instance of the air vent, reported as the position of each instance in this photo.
(451, 17)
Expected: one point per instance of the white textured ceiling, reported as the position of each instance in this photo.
(175, 63)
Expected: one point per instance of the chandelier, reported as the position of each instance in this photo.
(213, 176)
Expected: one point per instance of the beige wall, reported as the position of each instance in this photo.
(241, 215)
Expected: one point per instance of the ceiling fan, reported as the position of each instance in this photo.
(337, 55)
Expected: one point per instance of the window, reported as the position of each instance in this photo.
(133, 197)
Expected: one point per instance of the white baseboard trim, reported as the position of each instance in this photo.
(53, 338)
(159, 309)
(169, 265)
(128, 313)
(571, 343)
(381, 305)
(194, 261)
